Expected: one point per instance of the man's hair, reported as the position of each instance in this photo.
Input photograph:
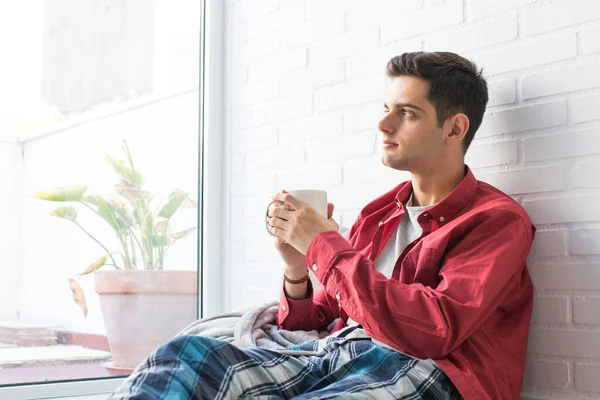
(456, 85)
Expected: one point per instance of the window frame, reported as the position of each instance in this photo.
(209, 248)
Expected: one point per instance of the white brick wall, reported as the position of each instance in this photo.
(476, 36)
(586, 108)
(586, 310)
(480, 9)
(523, 119)
(305, 92)
(528, 54)
(571, 79)
(421, 21)
(569, 13)
(591, 40)
(547, 374)
(551, 309)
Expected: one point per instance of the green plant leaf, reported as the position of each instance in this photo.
(162, 226)
(132, 193)
(66, 212)
(123, 215)
(94, 200)
(148, 227)
(159, 241)
(188, 202)
(137, 217)
(172, 205)
(110, 216)
(95, 265)
(119, 207)
(182, 234)
(64, 193)
(125, 218)
(130, 176)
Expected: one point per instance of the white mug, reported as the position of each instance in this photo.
(317, 199)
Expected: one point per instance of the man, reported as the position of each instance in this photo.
(430, 284)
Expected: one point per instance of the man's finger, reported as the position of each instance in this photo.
(287, 198)
(277, 223)
(280, 212)
(330, 208)
(277, 232)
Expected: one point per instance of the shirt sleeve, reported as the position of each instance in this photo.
(424, 321)
(315, 312)
(312, 313)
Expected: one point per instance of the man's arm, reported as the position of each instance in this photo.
(423, 321)
(296, 291)
(302, 308)
(312, 313)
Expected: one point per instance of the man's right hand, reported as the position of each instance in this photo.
(295, 262)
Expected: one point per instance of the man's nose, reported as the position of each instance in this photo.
(385, 125)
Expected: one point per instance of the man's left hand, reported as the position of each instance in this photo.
(299, 224)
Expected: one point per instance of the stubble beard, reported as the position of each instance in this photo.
(394, 162)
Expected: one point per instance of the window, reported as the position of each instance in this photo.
(100, 112)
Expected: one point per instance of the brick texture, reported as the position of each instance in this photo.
(417, 22)
(547, 373)
(304, 93)
(585, 310)
(551, 309)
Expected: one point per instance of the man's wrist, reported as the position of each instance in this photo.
(295, 273)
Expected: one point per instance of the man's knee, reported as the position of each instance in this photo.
(189, 346)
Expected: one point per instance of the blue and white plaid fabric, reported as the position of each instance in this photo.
(196, 367)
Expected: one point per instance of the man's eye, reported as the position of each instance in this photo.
(406, 112)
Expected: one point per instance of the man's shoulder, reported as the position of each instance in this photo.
(492, 201)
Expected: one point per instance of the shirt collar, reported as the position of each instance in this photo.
(445, 210)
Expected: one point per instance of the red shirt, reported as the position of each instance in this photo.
(460, 294)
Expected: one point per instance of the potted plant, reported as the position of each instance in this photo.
(143, 305)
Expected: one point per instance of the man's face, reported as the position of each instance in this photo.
(412, 140)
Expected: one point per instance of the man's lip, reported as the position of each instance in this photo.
(388, 142)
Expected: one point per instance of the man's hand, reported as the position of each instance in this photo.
(295, 262)
(297, 223)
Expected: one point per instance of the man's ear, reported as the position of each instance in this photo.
(456, 127)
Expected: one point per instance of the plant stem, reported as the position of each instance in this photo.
(96, 240)
(163, 247)
(149, 252)
(125, 257)
(133, 255)
(88, 206)
(133, 235)
(142, 206)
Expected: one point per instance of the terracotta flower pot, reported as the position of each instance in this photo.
(144, 309)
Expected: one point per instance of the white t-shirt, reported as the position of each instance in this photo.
(406, 232)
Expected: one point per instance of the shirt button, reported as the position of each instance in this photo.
(314, 267)
(339, 305)
(380, 223)
(283, 307)
(337, 296)
(441, 219)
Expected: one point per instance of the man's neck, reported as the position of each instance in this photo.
(433, 187)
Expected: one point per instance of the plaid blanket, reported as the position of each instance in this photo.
(195, 367)
(244, 355)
